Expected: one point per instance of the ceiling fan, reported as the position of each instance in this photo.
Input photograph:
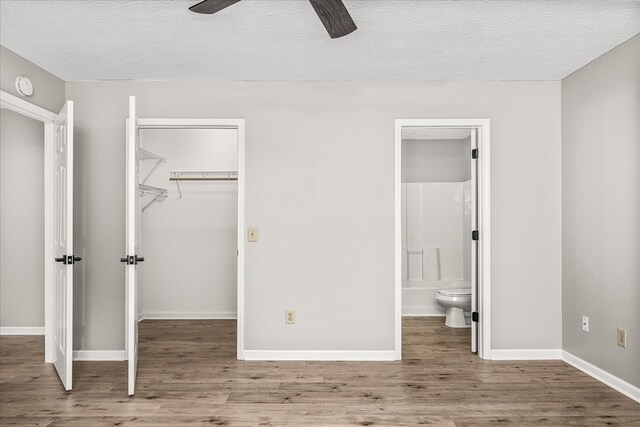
(333, 14)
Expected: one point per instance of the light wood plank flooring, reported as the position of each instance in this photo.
(188, 375)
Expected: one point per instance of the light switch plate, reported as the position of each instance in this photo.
(252, 234)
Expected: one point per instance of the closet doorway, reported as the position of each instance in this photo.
(442, 227)
(184, 223)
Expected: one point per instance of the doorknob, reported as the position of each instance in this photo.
(132, 259)
(68, 259)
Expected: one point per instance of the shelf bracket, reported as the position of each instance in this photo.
(153, 169)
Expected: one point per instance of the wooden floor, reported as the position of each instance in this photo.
(440, 382)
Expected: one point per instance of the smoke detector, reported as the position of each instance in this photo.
(24, 86)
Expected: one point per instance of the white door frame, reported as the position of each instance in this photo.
(20, 106)
(161, 123)
(484, 225)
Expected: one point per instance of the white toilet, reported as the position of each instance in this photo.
(457, 302)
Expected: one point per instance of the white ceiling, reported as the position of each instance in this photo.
(284, 40)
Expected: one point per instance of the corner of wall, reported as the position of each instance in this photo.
(49, 90)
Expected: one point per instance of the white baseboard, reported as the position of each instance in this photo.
(603, 376)
(190, 315)
(21, 330)
(99, 355)
(328, 355)
(526, 354)
(421, 310)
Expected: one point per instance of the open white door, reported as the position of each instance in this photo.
(474, 241)
(131, 244)
(63, 245)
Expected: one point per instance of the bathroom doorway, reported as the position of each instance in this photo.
(442, 234)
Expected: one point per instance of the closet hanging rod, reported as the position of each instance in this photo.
(204, 176)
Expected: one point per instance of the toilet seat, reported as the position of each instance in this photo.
(455, 292)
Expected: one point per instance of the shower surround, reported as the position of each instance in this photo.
(436, 243)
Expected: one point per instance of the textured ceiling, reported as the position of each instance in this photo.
(284, 40)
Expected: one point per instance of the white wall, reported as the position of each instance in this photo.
(320, 161)
(601, 210)
(22, 194)
(190, 243)
(436, 160)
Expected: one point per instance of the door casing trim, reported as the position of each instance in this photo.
(20, 106)
(484, 225)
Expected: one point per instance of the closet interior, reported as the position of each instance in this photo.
(188, 223)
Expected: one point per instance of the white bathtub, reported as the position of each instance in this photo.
(420, 300)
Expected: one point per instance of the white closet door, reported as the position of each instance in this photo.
(63, 245)
(131, 246)
(474, 243)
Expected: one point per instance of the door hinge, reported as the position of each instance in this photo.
(475, 235)
(474, 153)
(475, 316)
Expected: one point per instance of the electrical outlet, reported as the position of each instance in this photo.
(622, 337)
(289, 317)
(585, 323)
(252, 234)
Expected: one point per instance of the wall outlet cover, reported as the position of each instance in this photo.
(585, 323)
(622, 337)
(290, 317)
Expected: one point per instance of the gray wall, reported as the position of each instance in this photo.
(436, 160)
(320, 167)
(48, 91)
(22, 193)
(601, 210)
(21, 220)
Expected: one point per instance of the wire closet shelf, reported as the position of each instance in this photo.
(157, 194)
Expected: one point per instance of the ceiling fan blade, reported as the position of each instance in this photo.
(334, 16)
(212, 6)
